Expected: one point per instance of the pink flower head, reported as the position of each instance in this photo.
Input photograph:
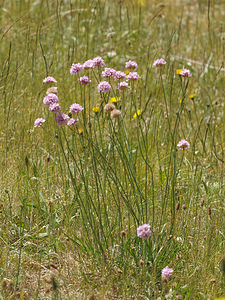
(62, 119)
(104, 86)
(123, 85)
(84, 80)
(39, 122)
(167, 272)
(50, 99)
(71, 122)
(98, 61)
(76, 68)
(185, 73)
(131, 65)
(49, 79)
(144, 231)
(159, 62)
(119, 75)
(54, 107)
(89, 64)
(133, 76)
(76, 108)
(183, 144)
(108, 72)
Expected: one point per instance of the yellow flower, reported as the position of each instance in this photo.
(178, 71)
(127, 72)
(80, 130)
(142, 2)
(137, 114)
(96, 109)
(191, 96)
(115, 99)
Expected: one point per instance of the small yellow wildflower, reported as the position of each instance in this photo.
(96, 109)
(137, 114)
(127, 72)
(115, 100)
(80, 131)
(178, 71)
(191, 96)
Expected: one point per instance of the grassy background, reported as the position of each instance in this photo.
(70, 204)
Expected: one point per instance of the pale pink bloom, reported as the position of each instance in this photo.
(62, 119)
(108, 72)
(183, 144)
(84, 80)
(98, 61)
(133, 76)
(104, 86)
(54, 107)
(71, 122)
(76, 108)
(50, 99)
(131, 65)
(144, 231)
(185, 73)
(76, 68)
(49, 79)
(159, 62)
(119, 75)
(123, 85)
(167, 272)
(39, 122)
(89, 64)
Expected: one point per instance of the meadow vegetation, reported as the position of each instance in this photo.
(72, 197)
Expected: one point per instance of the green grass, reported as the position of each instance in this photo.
(70, 202)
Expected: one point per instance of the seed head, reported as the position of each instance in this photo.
(52, 90)
(178, 206)
(115, 114)
(109, 107)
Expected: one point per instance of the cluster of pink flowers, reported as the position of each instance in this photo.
(167, 272)
(98, 62)
(76, 68)
(183, 144)
(84, 80)
(144, 231)
(131, 65)
(123, 85)
(39, 122)
(108, 72)
(104, 86)
(62, 119)
(159, 62)
(133, 76)
(50, 99)
(87, 65)
(49, 79)
(55, 107)
(52, 102)
(185, 73)
(76, 108)
(119, 75)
